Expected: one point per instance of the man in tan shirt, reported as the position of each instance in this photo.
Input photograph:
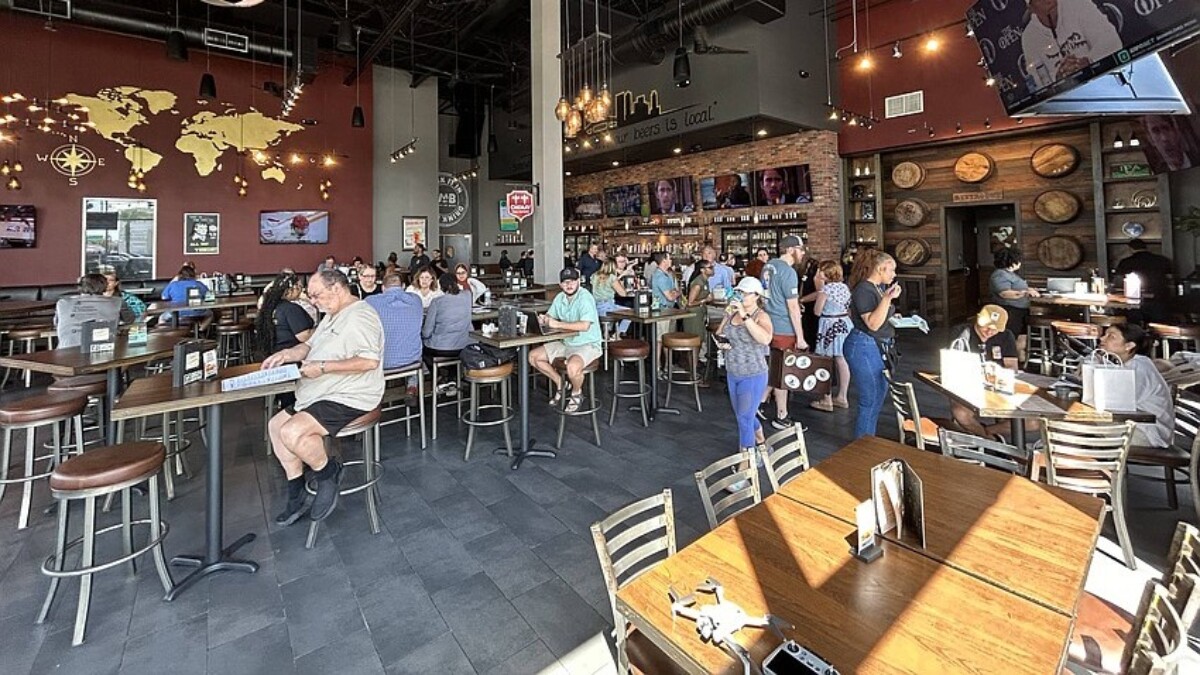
(341, 368)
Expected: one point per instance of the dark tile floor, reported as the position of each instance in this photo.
(478, 569)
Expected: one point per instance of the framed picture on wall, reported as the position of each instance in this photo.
(119, 235)
(201, 233)
(413, 228)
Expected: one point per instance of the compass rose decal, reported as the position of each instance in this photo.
(73, 160)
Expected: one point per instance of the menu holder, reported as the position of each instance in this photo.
(865, 546)
(261, 378)
(194, 296)
(138, 335)
(194, 361)
(643, 300)
(97, 336)
(899, 499)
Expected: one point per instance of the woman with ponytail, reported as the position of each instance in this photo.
(873, 289)
(281, 322)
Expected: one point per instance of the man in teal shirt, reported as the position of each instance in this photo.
(573, 309)
(662, 282)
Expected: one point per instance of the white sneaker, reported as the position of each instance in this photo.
(738, 486)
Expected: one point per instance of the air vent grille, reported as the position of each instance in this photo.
(900, 105)
(55, 9)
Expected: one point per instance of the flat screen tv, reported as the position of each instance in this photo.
(783, 185)
(293, 227)
(730, 191)
(625, 200)
(1171, 142)
(1037, 50)
(583, 207)
(671, 195)
(18, 226)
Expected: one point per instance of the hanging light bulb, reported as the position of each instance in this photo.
(606, 98)
(1118, 142)
(141, 187)
(561, 110)
(1133, 143)
(833, 114)
(242, 192)
(594, 112)
(574, 123)
(5, 169)
(13, 183)
(585, 94)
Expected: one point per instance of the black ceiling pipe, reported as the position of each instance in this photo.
(649, 40)
(262, 49)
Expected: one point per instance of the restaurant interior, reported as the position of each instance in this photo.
(1008, 482)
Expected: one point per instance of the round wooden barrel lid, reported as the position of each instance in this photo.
(1057, 206)
(1054, 159)
(1060, 252)
(911, 212)
(908, 175)
(973, 167)
(912, 252)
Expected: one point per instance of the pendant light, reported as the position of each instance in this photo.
(208, 84)
(345, 34)
(683, 69)
(176, 41)
(358, 119)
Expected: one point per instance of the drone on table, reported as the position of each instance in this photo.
(717, 622)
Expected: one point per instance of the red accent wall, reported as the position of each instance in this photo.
(953, 83)
(37, 62)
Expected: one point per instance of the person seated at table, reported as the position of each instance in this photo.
(573, 309)
(606, 288)
(133, 308)
(401, 314)
(328, 264)
(448, 323)
(989, 337)
(366, 285)
(281, 322)
(699, 297)
(425, 286)
(341, 368)
(1129, 342)
(90, 305)
(477, 289)
(178, 292)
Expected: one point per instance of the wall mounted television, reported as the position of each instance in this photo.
(729, 191)
(18, 226)
(783, 185)
(293, 227)
(671, 195)
(583, 207)
(625, 200)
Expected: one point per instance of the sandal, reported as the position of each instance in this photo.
(574, 403)
(821, 405)
(556, 398)
(841, 404)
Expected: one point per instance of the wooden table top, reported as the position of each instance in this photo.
(1028, 538)
(1110, 300)
(221, 302)
(71, 361)
(511, 341)
(1029, 402)
(650, 317)
(155, 395)
(492, 311)
(11, 308)
(903, 613)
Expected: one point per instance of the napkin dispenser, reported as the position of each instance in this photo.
(642, 300)
(509, 319)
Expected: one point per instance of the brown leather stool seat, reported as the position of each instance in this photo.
(109, 466)
(495, 372)
(681, 341)
(1079, 330)
(361, 423)
(232, 328)
(1041, 321)
(629, 349)
(1108, 320)
(1038, 310)
(1181, 331)
(29, 332)
(92, 385)
(43, 407)
(590, 367)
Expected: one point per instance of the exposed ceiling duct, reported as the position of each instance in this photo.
(263, 49)
(649, 41)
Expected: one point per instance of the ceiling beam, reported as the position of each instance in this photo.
(384, 39)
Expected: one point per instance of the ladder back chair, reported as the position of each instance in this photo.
(735, 477)
(1160, 643)
(785, 456)
(984, 451)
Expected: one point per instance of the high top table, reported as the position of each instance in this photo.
(522, 343)
(155, 396)
(235, 302)
(10, 309)
(1087, 301)
(72, 361)
(651, 320)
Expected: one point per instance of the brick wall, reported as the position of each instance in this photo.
(818, 149)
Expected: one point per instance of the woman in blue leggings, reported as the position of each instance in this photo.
(747, 331)
(872, 281)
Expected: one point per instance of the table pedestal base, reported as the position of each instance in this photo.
(532, 451)
(224, 563)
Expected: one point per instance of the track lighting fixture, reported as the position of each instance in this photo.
(896, 53)
(682, 68)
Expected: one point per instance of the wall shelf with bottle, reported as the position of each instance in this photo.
(1131, 201)
(862, 190)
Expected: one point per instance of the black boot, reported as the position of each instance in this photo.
(296, 507)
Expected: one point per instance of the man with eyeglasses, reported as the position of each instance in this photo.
(367, 284)
(341, 368)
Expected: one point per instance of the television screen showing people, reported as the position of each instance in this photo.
(293, 227)
(671, 195)
(625, 200)
(783, 185)
(18, 226)
(584, 207)
(730, 191)
(1038, 49)
(1171, 142)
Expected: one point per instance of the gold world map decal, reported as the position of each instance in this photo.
(73, 161)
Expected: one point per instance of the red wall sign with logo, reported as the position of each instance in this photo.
(520, 204)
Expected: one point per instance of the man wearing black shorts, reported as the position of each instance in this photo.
(341, 368)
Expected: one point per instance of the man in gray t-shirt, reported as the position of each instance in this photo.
(341, 379)
(783, 306)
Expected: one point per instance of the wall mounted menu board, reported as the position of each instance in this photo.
(583, 207)
(625, 200)
(730, 191)
(671, 195)
(783, 185)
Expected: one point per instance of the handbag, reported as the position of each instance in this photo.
(805, 372)
(962, 371)
(479, 356)
(1107, 384)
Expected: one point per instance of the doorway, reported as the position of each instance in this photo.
(973, 234)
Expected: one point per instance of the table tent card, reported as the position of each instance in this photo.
(899, 499)
(97, 336)
(194, 360)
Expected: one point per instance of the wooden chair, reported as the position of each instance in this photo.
(628, 543)
(1181, 455)
(908, 416)
(785, 456)
(1160, 644)
(1090, 458)
(984, 451)
(714, 479)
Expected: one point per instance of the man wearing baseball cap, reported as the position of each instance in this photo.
(988, 336)
(782, 285)
(573, 309)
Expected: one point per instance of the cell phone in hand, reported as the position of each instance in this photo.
(720, 339)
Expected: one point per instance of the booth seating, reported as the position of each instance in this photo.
(28, 415)
(367, 426)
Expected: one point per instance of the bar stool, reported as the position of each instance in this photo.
(593, 404)
(623, 353)
(95, 387)
(689, 344)
(607, 325)
(233, 341)
(1086, 333)
(496, 375)
(437, 363)
(1039, 342)
(402, 375)
(712, 365)
(100, 473)
(27, 337)
(1168, 333)
(1106, 320)
(30, 414)
(366, 426)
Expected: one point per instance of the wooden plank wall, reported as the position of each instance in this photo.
(1015, 181)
